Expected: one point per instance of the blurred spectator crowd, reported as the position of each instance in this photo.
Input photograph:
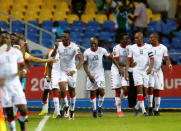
(106, 19)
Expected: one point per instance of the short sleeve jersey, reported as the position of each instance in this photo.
(160, 51)
(141, 55)
(67, 56)
(9, 61)
(94, 59)
(120, 53)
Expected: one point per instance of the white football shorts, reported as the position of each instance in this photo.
(100, 82)
(12, 93)
(156, 80)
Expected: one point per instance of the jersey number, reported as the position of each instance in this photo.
(95, 57)
(65, 51)
(141, 51)
(8, 59)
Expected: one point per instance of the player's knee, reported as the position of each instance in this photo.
(156, 91)
(55, 91)
(23, 110)
(46, 91)
(93, 93)
(102, 92)
(118, 91)
(9, 112)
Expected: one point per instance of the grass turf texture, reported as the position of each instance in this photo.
(109, 122)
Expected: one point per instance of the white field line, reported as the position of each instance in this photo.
(42, 123)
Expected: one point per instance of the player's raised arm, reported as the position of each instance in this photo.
(39, 60)
(55, 49)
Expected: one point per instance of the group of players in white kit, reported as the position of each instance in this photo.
(142, 59)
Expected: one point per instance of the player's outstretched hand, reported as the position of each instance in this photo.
(71, 73)
(148, 71)
(126, 76)
(52, 60)
(23, 73)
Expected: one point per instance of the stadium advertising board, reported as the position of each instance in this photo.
(35, 76)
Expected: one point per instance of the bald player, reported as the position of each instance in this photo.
(156, 81)
(141, 53)
(93, 67)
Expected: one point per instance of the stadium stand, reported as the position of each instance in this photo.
(46, 13)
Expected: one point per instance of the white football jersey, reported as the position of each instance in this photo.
(94, 59)
(56, 65)
(120, 53)
(159, 52)
(141, 55)
(128, 48)
(9, 61)
(67, 56)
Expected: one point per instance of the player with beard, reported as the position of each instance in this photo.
(67, 51)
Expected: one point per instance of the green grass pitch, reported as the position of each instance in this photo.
(109, 122)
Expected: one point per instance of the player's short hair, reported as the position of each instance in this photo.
(13, 34)
(16, 42)
(4, 32)
(94, 38)
(58, 37)
(123, 34)
(67, 31)
(155, 35)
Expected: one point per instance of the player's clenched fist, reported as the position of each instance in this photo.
(71, 73)
(126, 75)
